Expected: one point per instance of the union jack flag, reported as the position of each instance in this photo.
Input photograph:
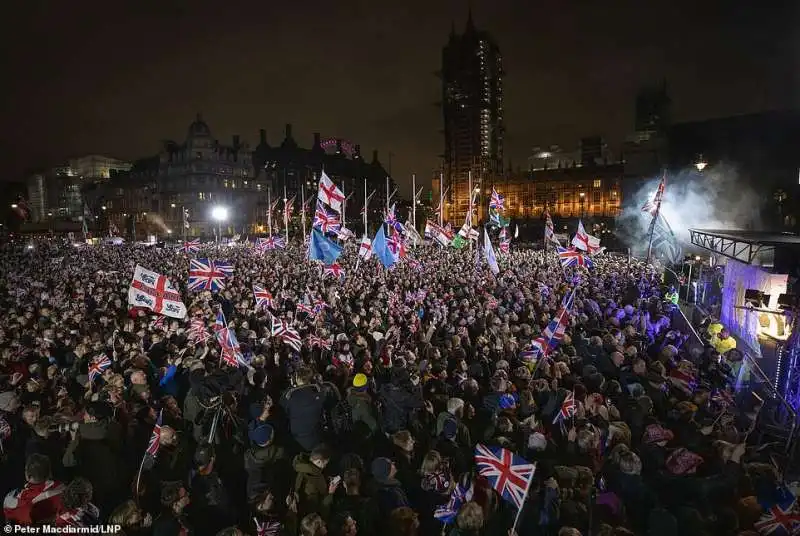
(345, 234)
(510, 475)
(197, 330)
(549, 229)
(458, 497)
(192, 246)
(567, 409)
(326, 220)
(155, 438)
(269, 243)
(231, 351)
(263, 297)
(205, 274)
(505, 245)
(289, 208)
(303, 308)
(652, 206)
(319, 306)
(780, 519)
(314, 341)
(158, 323)
(267, 528)
(98, 366)
(573, 257)
(219, 322)
(288, 335)
(333, 269)
(392, 221)
(396, 244)
(497, 201)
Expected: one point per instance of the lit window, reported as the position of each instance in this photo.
(613, 194)
(597, 183)
(201, 196)
(258, 187)
(226, 184)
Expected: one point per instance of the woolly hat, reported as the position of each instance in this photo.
(381, 469)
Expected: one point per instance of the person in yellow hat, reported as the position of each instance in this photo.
(360, 401)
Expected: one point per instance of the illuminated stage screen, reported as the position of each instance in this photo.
(753, 327)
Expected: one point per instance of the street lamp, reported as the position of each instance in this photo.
(220, 214)
(701, 163)
(14, 205)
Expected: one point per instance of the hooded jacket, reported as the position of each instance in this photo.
(310, 485)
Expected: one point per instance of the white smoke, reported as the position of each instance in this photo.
(716, 198)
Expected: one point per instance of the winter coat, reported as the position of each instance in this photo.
(398, 403)
(304, 409)
(261, 462)
(363, 409)
(310, 485)
(96, 452)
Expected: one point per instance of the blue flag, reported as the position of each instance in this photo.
(381, 249)
(322, 248)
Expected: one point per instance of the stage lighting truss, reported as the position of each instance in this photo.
(729, 246)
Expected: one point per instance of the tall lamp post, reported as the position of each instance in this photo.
(220, 214)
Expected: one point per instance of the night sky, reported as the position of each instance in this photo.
(94, 77)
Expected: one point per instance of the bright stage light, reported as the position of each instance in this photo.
(219, 213)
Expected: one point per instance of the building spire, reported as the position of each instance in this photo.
(470, 24)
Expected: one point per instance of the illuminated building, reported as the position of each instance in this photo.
(95, 166)
(591, 191)
(202, 172)
(55, 194)
(472, 107)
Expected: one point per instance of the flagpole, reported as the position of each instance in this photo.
(441, 199)
(269, 210)
(387, 197)
(469, 213)
(660, 195)
(303, 208)
(414, 207)
(344, 209)
(366, 200)
(285, 216)
(522, 502)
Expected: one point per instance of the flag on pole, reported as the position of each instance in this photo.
(329, 193)
(510, 475)
(322, 248)
(263, 297)
(365, 249)
(155, 438)
(651, 206)
(154, 291)
(488, 252)
(573, 257)
(380, 248)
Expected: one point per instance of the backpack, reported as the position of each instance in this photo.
(342, 417)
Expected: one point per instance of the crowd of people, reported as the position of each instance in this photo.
(371, 425)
